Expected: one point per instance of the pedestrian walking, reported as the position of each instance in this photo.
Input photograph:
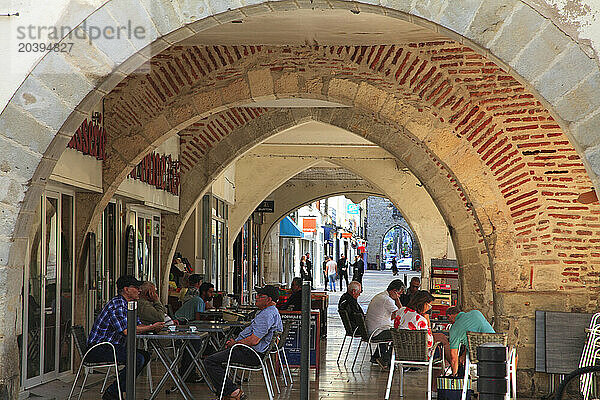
(332, 272)
(394, 266)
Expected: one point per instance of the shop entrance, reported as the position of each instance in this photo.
(147, 249)
(47, 293)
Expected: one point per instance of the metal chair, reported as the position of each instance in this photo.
(410, 349)
(350, 332)
(361, 329)
(247, 367)
(80, 340)
(590, 356)
(476, 339)
(280, 351)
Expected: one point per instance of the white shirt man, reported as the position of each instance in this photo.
(382, 308)
(380, 314)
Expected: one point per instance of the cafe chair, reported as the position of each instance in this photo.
(80, 340)
(410, 350)
(361, 329)
(249, 367)
(350, 332)
(279, 351)
(476, 339)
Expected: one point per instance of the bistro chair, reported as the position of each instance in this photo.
(80, 340)
(410, 349)
(350, 332)
(249, 367)
(361, 329)
(476, 339)
(279, 351)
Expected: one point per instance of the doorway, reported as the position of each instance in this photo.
(147, 248)
(48, 292)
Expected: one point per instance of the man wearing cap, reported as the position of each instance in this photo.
(257, 335)
(111, 326)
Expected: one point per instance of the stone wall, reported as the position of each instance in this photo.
(382, 216)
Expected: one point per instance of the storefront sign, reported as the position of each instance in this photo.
(353, 208)
(159, 171)
(309, 224)
(90, 138)
(346, 235)
(267, 206)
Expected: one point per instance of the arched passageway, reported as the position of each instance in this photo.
(497, 126)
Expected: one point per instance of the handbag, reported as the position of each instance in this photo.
(450, 388)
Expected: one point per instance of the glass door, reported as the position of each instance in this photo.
(47, 293)
(148, 245)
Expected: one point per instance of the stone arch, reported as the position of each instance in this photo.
(387, 219)
(450, 201)
(70, 102)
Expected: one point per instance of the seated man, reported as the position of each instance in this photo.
(380, 314)
(463, 322)
(111, 326)
(415, 284)
(294, 302)
(257, 335)
(193, 303)
(349, 302)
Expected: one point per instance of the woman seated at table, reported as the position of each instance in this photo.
(415, 316)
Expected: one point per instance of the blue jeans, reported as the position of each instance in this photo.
(332, 282)
(105, 354)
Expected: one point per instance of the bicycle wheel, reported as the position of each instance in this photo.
(569, 388)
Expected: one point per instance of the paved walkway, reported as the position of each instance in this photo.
(333, 382)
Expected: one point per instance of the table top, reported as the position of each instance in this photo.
(180, 335)
(220, 324)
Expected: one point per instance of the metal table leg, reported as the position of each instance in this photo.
(171, 369)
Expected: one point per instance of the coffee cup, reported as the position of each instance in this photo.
(172, 328)
(192, 329)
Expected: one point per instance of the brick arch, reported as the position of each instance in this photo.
(94, 71)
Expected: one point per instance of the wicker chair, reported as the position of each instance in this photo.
(476, 339)
(350, 332)
(80, 340)
(247, 367)
(410, 349)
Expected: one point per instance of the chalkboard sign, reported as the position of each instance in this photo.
(293, 341)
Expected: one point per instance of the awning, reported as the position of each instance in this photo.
(288, 228)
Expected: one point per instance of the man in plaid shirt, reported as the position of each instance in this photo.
(111, 326)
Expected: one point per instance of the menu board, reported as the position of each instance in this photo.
(293, 341)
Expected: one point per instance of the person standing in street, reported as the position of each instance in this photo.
(309, 268)
(358, 269)
(303, 270)
(325, 276)
(342, 271)
(332, 273)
